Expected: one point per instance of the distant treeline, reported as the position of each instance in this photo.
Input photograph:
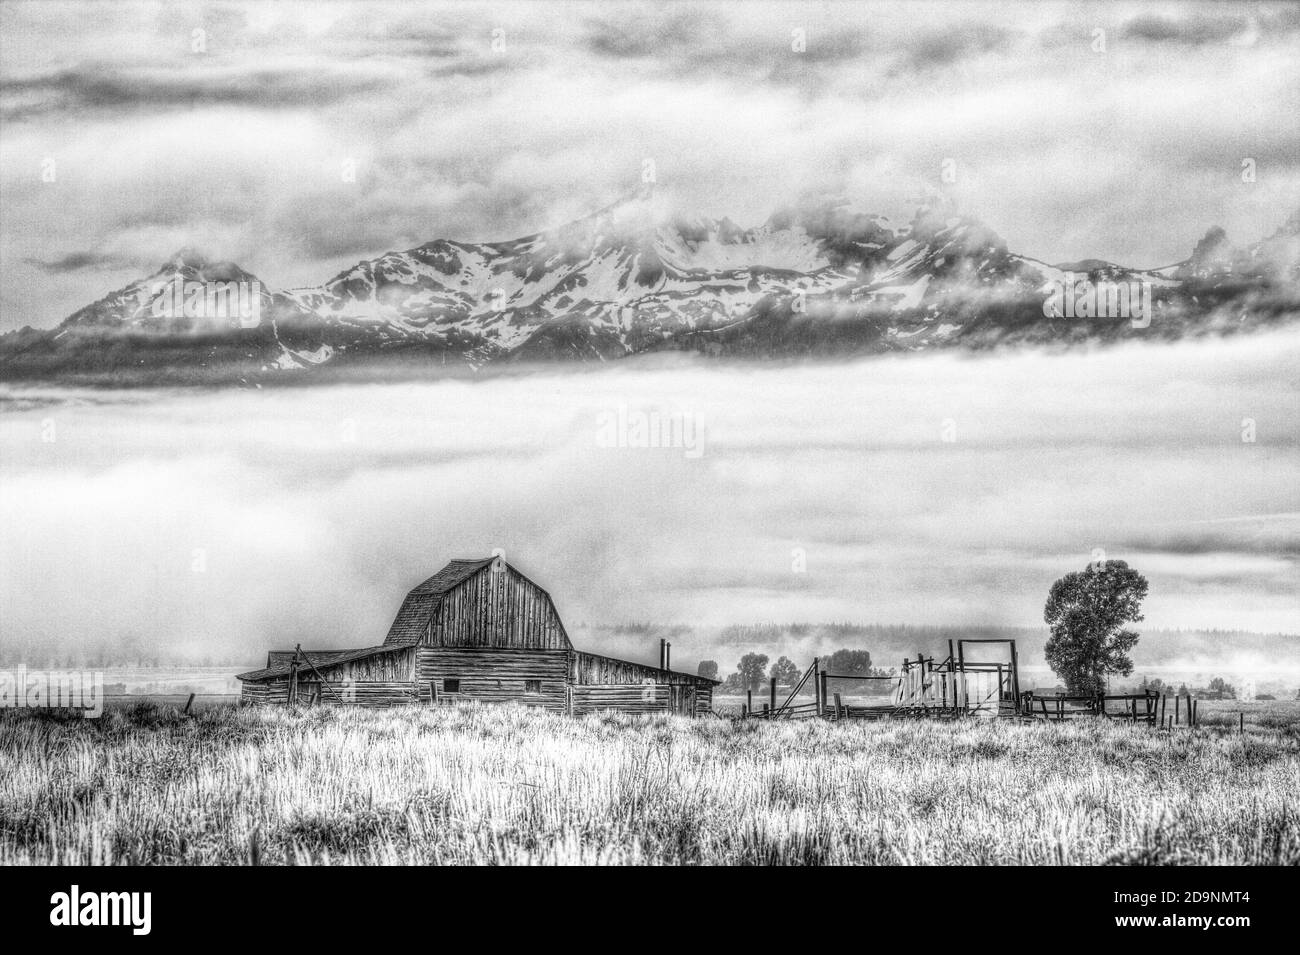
(105, 655)
(889, 643)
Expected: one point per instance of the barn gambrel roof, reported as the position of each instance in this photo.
(418, 607)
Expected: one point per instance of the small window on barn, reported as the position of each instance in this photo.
(451, 686)
(533, 687)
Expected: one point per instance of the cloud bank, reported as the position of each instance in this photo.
(229, 126)
(224, 523)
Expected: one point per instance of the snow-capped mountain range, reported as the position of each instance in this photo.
(634, 278)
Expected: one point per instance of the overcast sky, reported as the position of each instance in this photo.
(491, 121)
(239, 521)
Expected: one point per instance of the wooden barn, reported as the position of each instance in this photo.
(477, 630)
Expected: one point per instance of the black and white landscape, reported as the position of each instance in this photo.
(385, 387)
(823, 280)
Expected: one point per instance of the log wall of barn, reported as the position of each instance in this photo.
(593, 669)
(493, 675)
(497, 608)
(371, 693)
(266, 692)
(703, 700)
(332, 693)
(383, 679)
(623, 697)
(393, 667)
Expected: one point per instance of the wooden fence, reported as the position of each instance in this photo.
(923, 687)
(1147, 707)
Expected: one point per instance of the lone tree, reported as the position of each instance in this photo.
(1222, 687)
(856, 662)
(753, 670)
(1086, 612)
(708, 669)
(785, 671)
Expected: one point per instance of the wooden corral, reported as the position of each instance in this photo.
(958, 686)
(1146, 707)
(923, 687)
(477, 630)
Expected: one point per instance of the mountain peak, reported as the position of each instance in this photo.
(1211, 252)
(641, 274)
(194, 264)
(187, 257)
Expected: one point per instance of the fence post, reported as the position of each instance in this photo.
(773, 694)
(749, 699)
(838, 714)
(1015, 677)
(961, 665)
(816, 702)
(293, 675)
(1242, 714)
(824, 697)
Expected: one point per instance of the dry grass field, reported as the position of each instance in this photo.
(507, 785)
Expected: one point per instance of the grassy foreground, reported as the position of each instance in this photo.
(506, 785)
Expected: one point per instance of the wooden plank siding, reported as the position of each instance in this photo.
(493, 675)
(497, 607)
(395, 666)
(372, 693)
(703, 700)
(622, 697)
(592, 669)
(264, 693)
(381, 679)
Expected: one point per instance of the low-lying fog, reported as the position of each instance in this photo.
(930, 489)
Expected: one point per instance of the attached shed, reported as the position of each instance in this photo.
(604, 683)
(375, 676)
(476, 630)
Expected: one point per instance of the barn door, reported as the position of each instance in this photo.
(683, 699)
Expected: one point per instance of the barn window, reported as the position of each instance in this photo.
(451, 686)
(533, 687)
